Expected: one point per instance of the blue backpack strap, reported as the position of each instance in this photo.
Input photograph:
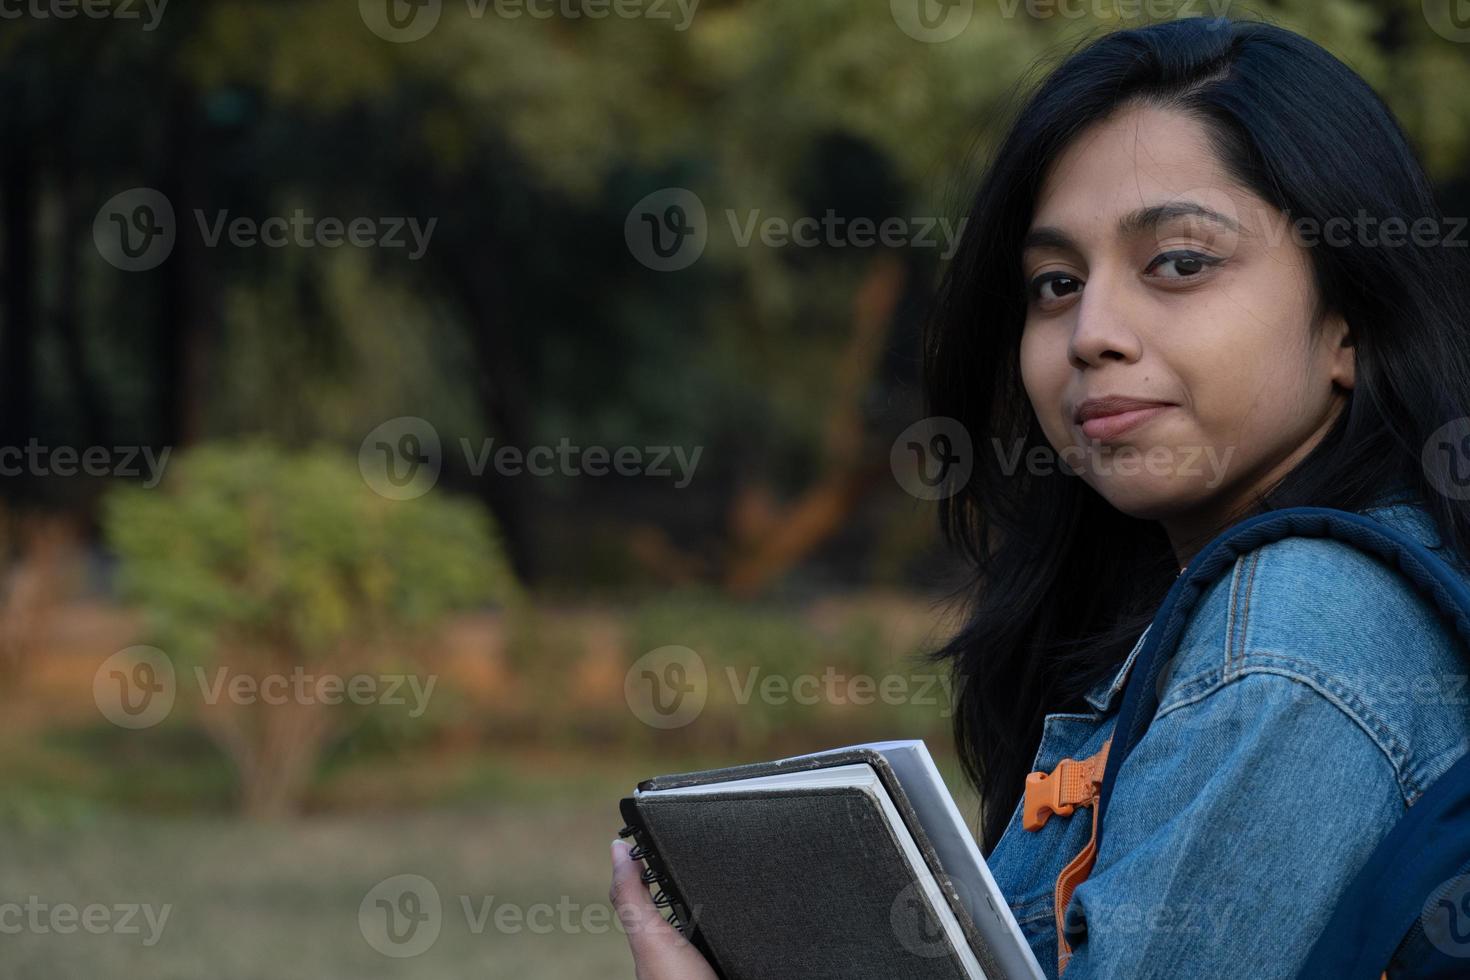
(1421, 862)
(1443, 813)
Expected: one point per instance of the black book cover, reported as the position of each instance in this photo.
(808, 883)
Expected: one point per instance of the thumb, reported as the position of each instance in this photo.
(659, 950)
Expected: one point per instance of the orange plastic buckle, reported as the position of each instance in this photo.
(1072, 783)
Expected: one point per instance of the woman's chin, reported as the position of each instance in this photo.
(1150, 497)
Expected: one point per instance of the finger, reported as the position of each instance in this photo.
(654, 941)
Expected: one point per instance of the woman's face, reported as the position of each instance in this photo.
(1152, 276)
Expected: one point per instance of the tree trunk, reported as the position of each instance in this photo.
(17, 333)
(275, 748)
(772, 540)
(185, 280)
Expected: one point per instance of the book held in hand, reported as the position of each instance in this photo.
(851, 863)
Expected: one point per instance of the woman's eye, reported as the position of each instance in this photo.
(1185, 264)
(1053, 286)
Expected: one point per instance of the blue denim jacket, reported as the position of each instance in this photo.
(1313, 698)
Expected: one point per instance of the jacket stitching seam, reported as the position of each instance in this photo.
(1230, 617)
(1355, 707)
(1239, 639)
(1189, 688)
(1340, 698)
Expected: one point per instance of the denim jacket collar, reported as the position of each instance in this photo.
(1399, 502)
(1102, 696)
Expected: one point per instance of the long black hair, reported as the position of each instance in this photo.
(1062, 582)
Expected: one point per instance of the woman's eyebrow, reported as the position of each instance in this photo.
(1143, 219)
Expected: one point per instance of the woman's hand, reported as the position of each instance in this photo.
(660, 952)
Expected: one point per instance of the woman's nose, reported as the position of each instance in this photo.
(1102, 329)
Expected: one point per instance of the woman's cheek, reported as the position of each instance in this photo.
(1043, 382)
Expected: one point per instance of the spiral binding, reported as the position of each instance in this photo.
(661, 898)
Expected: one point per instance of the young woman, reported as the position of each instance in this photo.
(1181, 287)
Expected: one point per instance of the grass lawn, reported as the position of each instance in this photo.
(101, 826)
(519, 864)
(276, 901)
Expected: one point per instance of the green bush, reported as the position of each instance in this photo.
(262, 561)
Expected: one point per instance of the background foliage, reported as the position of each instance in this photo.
(528, 321)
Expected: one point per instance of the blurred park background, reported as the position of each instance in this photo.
(468, 364)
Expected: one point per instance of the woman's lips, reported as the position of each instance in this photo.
(1107, 427)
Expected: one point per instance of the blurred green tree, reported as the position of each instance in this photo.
(251, 561)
